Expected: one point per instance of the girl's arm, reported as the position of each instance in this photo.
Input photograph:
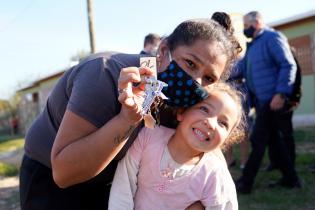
(124, 185)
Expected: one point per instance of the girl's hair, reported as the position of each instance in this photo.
(188, 32)
(237, 133)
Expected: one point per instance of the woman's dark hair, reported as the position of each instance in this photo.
(188, 32)
(225, 21)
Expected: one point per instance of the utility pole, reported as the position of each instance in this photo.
(91, 25)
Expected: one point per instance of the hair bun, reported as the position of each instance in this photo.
(224, 20)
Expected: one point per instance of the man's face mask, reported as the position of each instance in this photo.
(182, 89)
(249, 32)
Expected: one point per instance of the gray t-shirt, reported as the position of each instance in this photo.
(89, 90)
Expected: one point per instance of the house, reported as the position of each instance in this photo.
(33, 99)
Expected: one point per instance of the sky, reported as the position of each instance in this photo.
(38, 38)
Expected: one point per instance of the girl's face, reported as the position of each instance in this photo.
(203, 60)
(205, 126)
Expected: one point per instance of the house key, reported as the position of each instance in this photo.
(153, 89)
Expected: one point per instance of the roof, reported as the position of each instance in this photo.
(36, 83)
(293, 19)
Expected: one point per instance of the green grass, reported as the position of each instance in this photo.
(264, 198)
(11, 145)
(306, 134)
(9, 137)
(8, 169)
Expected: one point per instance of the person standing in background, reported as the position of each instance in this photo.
(151, 44)
(291, 104)
(270, 73)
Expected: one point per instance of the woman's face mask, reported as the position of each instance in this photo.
(182, 89)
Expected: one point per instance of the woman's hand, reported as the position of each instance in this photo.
(131, 96)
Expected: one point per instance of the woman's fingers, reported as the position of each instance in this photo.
(130, 93)
(126, 98)
(132, 75)
(146, 71)
(131, 90)
(128, 76)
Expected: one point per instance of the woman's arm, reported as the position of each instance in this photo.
(81, 150)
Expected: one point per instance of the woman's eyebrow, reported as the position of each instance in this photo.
(196, 58)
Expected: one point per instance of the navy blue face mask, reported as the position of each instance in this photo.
(249, 32)
(182, 89)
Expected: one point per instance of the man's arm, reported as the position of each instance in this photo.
(283, 58)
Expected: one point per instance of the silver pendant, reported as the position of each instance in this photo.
(153, 89)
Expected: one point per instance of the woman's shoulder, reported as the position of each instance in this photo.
(121, 58)
(101, 69)
(108, 61)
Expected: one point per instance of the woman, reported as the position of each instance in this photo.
(72, 148)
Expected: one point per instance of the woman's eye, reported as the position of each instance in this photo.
(190, 63)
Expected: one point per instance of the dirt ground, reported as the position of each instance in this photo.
(9, 186)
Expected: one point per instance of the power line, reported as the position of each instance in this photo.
(18, 16)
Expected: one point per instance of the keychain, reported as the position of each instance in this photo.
(153, 89)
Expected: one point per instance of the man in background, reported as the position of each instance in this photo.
(270, 71)
(151, 44)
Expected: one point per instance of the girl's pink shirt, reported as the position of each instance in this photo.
(209, 182)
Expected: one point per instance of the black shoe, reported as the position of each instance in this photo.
(242, 188)
(271, 167)
(232, 164)
(286, 184)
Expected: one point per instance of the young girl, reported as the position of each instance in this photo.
(172, 169)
